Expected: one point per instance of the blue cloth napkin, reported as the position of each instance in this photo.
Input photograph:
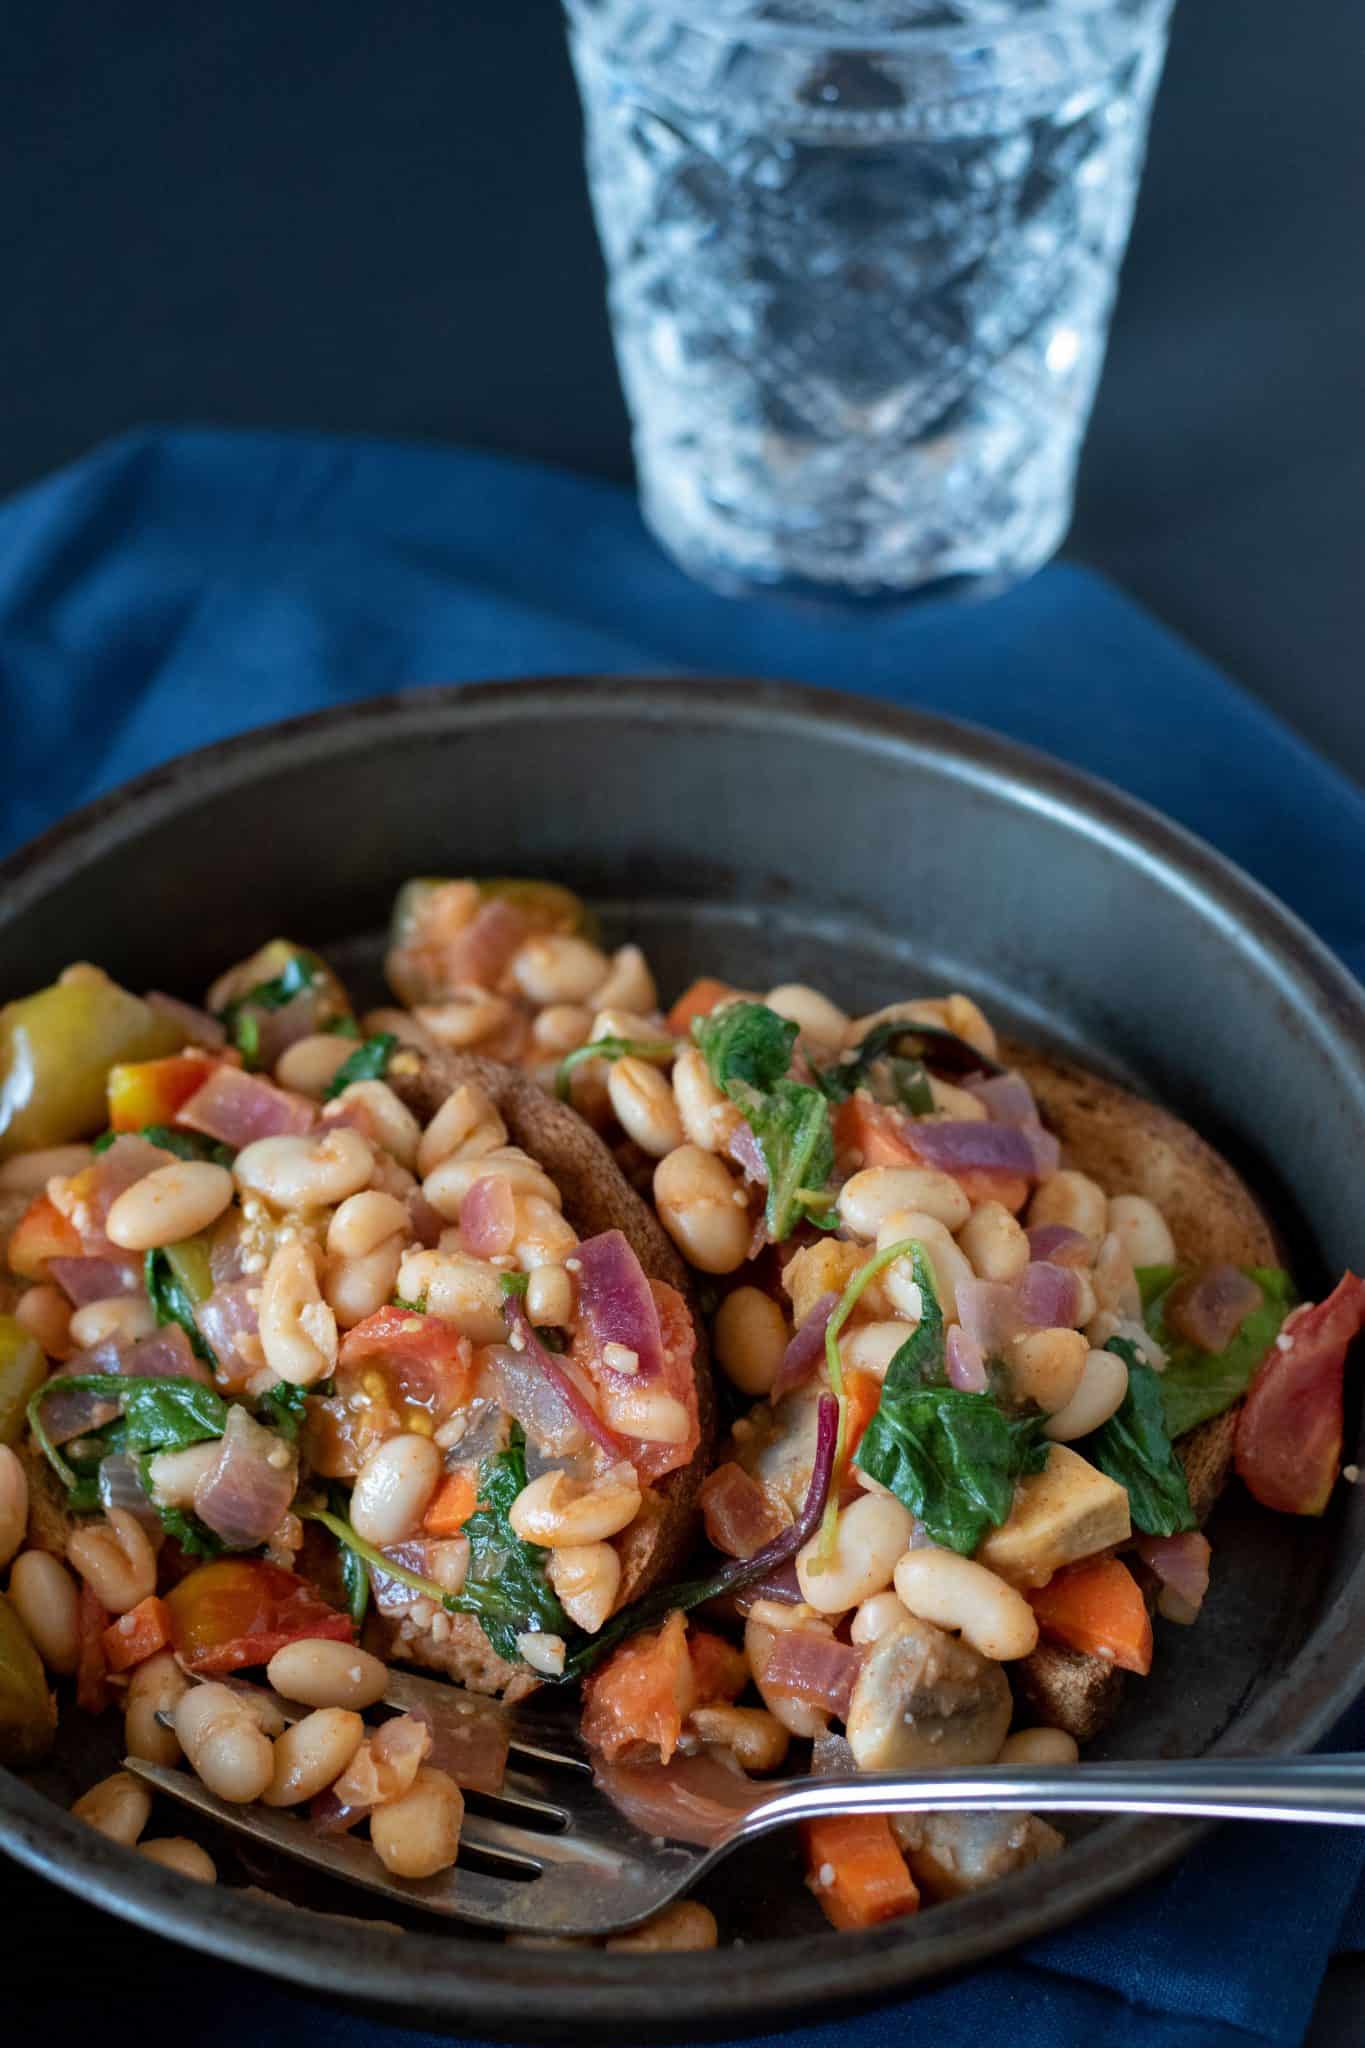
(179, 586)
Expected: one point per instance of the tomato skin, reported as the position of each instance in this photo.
(1288, 1444)
(151, 1091)
(414, 1370)
(237, 1611)
(42, 1233)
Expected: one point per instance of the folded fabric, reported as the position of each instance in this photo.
(179, 586)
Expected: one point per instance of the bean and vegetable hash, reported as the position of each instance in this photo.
(328, 1342)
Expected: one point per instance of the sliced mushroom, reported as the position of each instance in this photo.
(924, 1700)
(953, 1853)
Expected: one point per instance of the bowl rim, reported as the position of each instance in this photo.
(526, 1993)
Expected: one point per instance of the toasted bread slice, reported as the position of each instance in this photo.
(1132, 1147)
(597, 1197)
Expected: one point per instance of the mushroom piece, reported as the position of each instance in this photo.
(951, 1854)
(924, 1700)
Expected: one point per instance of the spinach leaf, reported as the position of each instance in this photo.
(506, 1584)
(1134, 1447)
(283, 1408)
(172, 1303)
(188, 1144)
(1198, 1384)
(355, 1573)
(368, 1062)
(104, 1141)
(241, 1019)
(510, 1284)
(608, 1049)
(746, 1043)
(913, 1047)
(158, 1414)
(195, 1538)
(748, 1048)
(414, 1308)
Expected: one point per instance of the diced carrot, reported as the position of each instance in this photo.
(719, 1670)
(869, 1130)
(42, 1233)
(864, 1391)
(697, 1001)
(92, 1669)
(453, 1502)
(636, 1702)
(151, 1091)
(856, 1871)
(137, 1635)
(1099, 1608)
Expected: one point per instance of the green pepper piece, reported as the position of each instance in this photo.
(28, 1711)
(56, 1049)
(23, 1368)
(189, 1261)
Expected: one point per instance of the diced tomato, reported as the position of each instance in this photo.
(868, 1133)
(856, 1870)
(1288, 1443)
(42, 1233)
(92, 1668)
(719, 1671)
(453, 1502)
(634, 1704)
(864, 1392)
(697, 1001)
(414, 1371)
(1098, 1608)
(238, 1611)
(151, 1091)
(137, 1635)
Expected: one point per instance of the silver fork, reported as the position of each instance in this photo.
(550, 1854)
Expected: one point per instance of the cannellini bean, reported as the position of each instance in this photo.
(586, 1577)
(766, 1620)
(322, 1673)
(174, 1475)
(309, 1064)
(1113, 1281)
(457, 1287)
(43, 1595)
(356, 1288)
(619, 1023)
(303, 1172)
(119, 1807)
(1046, 1366)
(13, 1503)
(550, 1297)
(394, 1487)
(125, 1318)
(683, 1926)
(642, 1100)
(949, 1265)
(172, 1203)
(259, 1706)
(959, 1103)
(298, 1330)
(646, 1412)
(870, 1347)
(224, 1746)
(755, 1738)
(401, 1023)
(877, 1192)
(557, 1510)
(561, 1028)
(156, 1686)
(467, 1018)
(1076, 1200)
(1039, 1746)
(703, 1208)
(555, 967)
(446, 1186)
(1142, 1230)
(708, 1115)
(1099, 1394)
(115, 1559)
(543, 1651)
(750, 1335)
(540, 1235)
(629, 984)
(995, 1242)
(45, 1313)
(311, 1754)
(386, 1114)
(956, 1013)
(465, 1123)
(956, 1593)
(363, 1222)
(873, 1532)
(180, 1854)
(875, 1616)
(813, 1013)
(419, 1833)
(28, 1173)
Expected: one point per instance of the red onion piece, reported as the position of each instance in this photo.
(120, 1486)
(469, 1740)
(743, 1147)
(962, 1145)
(237, 1108)
(817, 1669)
(198, 1025)
(1059, 1244)
(1049, 1297)
(782, 1585)
(229, 1313)
(246, 1492)
(165, 1355)
(543, 1394)
(482, 952)
(988, 1314)
(688, 1799)
(70, 1412)
(417, 1554)
(737, 1514)
(96, 1279)
(327, 1815)
(1008, 1097)
(488, 1217)
(966, 1361)
(1209, 1309)
(1182, 1565)
(744, 1571)
(617, 1304)
(806, 1350)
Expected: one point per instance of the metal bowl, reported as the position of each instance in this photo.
(766, 832)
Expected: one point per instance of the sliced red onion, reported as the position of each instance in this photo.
(782, 1585)
(688, 1799)
(816, 1669)
(237, 1108)
(130, 1158)
(164, 1355)
(806, 1350)
(488, 1217)
(1008, 1097)
(967, 1145)
(988, 1314)
(737, 1514)
(616, 1302)
(482, 952)
(469, 1740)
(306, 1014)
(246, 1492)
(229, 1313)
(328, 1815)
(96, 1279)
(120, 1486)
(199, 1027)
(1182, 1565)
(1049, 1297)
(1058, 1244)
(71, 1412)
(743, 1147)
(966, 1361)
(392, 1596)
(536, 1386)
(1209, 1309)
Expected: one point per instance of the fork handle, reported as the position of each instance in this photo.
(1328, 1789)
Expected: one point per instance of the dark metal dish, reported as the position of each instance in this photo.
(770, 832)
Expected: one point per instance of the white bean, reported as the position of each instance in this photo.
(1142, 1230)
(45, 1599)
(13, 1503)
(960, 1103)
(703, 1208)
(156, 1686)
(45, 1313)
(560, 1029)
(629, 984)
(750, 1336)
(1047, 1366)
(466, 1118)
(813, 1013)
(172, 1203)
(643, 1103)
(708, 1115)
(557, 1510)
(298, 1330)
(322, 1673)
(225, 1748)
(304, 1172)
(446, 1186)
(540, 1235)
(386, 1115)
(558, 968)
(875, 1617)
(550, 1297)
(870, 1347)
(419, 1833)
(115, 1559)
(28, 1173)
(180, 1854)
(394, 1487)
(586, 1577)
(174, 1475)
(542, 1651)
(995, 1242)
(312, 1754)
(1099, 1394)
(956, 1593)
(873, 1532)
(646, 1412)
(459, 1288)
(124, 1317)
(754, 1737)
(680, 1928)
(1075, 1200)
(119, 1807)
(363, 1222)
(355, 1289)
(948, 1265)
(866, 1200)
(469, 1017)
(310, 1064)
(1039, 1746)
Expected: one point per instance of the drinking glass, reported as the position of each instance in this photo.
(861, 260)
